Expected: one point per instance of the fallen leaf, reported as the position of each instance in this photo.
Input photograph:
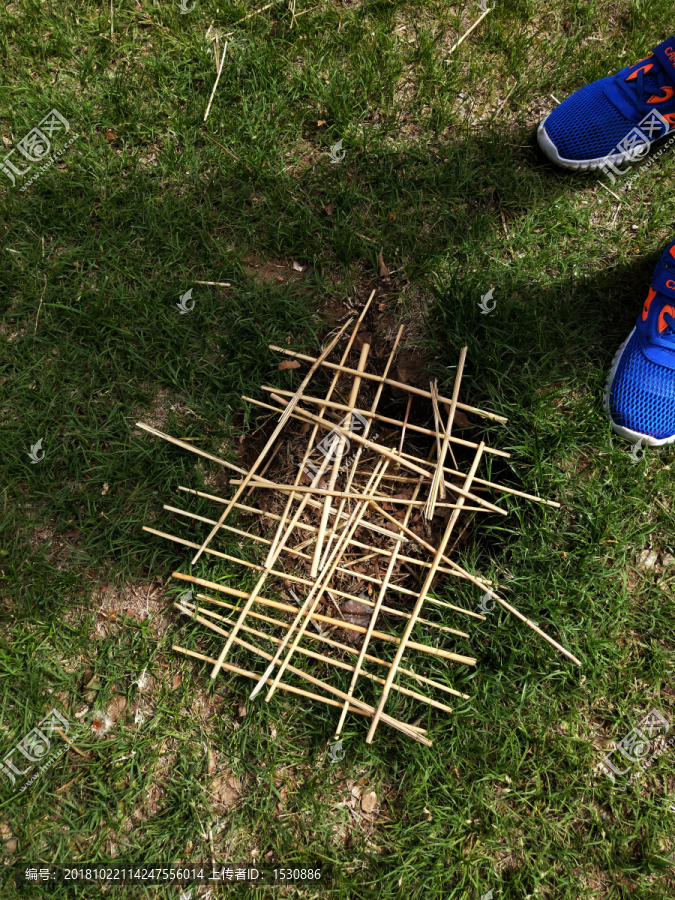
(298, 267)
(110, 134)
(241, 712)
(117, 706)
(177, 681)
(106, 487)
(427, 814)
(392, 217)
(2, 380)
(289, 364)
(460, 420)
(226, 791)
(382, 306)
(363, 337)
(369, 802)
(212, 762)
(382, 270)
(318, 124)
(330, 209)
(305, 428)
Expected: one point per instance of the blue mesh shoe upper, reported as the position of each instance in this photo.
(642, 393)
(597, 118)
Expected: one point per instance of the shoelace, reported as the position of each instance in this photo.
(669, 332)
(638, 93)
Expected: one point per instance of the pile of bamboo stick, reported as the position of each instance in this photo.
(342, 512)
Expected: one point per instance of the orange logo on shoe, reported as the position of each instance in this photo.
(648, 303)
(669, 93)
(670, 284)
(672, 251)
(662, 317)
(645, 69)
(670, 53)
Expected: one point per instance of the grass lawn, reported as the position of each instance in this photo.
(442, 174)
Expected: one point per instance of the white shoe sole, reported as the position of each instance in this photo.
(632, 436)
(576, 165)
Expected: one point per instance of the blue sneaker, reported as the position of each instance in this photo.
(640, 390)
(615, 119)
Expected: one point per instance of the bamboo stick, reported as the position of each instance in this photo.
(338, 646)
(271, 441)
(425, 587)
(403, 459)
(371, 625)
(262, 540)
(374, 405)
(433, 385)
(404, 387)
(321, 492)
(328, 660)
(438, 474)
(322, 583)
(327, 620)
(365, 350)
(279, 541)
(304, 581)
(409, 559)
(400, 726)
(380, 418)
(284, 687)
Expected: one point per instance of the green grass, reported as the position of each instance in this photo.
(94, 256)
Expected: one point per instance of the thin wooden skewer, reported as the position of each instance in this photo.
(270, 443)
(321, 584)
(338, 646)
(490, 484)
(287, 576)
(437, 422)
(285, 488)
(369, 422)
(262, 540)
(467, 33)
(404, 387)
(462, 573)
(423, 592)
(386, 580)
(310, 442)
(187, 607)
(279, 541)
(438, 474)
(401, 726)
(306, 527)
(327, 620)
(308, 398)
(405, 424)
(365, 349)
(213, 92)
(371, 625)
(386, 452)
(284, 687)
